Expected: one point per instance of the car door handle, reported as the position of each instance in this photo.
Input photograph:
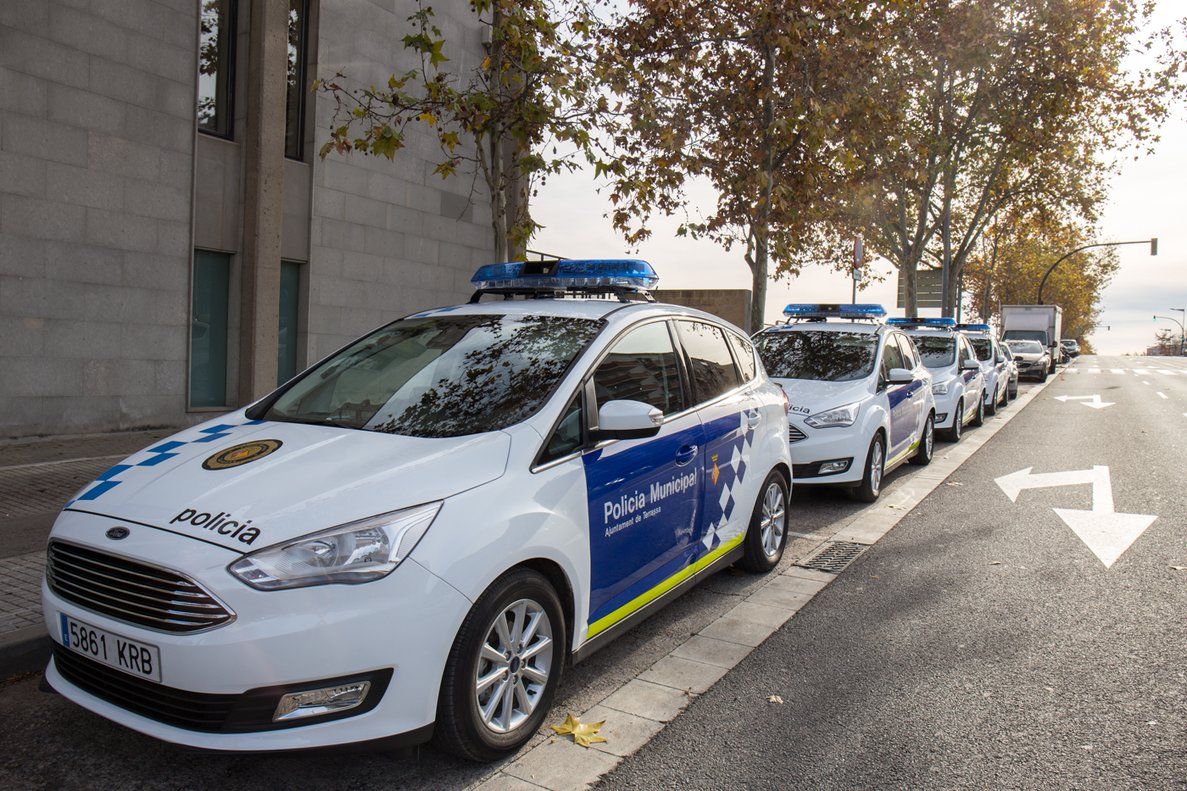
(685, 455)
(753, 418)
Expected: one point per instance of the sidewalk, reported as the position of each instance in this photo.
(36, 477)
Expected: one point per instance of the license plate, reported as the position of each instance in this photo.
(131, 656)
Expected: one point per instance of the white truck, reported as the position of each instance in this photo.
(1043, 323)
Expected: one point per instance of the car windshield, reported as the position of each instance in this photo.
(1025, 347)
(440, 376)
(936, 351)
(818, 355)
(983, 348)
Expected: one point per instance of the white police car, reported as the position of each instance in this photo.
(958, 383)
(861, 400)
(423, 528)
(995, 369)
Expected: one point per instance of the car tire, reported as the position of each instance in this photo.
(875, 467)
(953, 434)
(767, 535)
(462, 728)
(1012, 393)
(927, 442)
(979, 418)
(1044, 375)
(990, 404)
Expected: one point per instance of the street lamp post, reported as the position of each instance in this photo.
(1153, 251)
(1182, 331)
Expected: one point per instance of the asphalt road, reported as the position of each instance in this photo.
(45, 742)
(981, 643)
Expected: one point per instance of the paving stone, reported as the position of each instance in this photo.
(781, 592)
(644, 699)
(624, 733)
(762, 614)
(561, 766)
(809, 574)
(737, 630)
(712, 651)
(505, 782)
(683, 674)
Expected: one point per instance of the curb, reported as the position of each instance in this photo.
(24, 651)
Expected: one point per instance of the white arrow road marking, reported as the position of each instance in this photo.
(1161, 395)
(1087, 400)
(1107, 533)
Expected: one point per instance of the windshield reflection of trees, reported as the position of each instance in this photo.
(821, 356)
(498, 382)
(936, 352)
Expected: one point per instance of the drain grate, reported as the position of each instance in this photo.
(834, 557)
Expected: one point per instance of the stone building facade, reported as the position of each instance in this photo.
(170, 244)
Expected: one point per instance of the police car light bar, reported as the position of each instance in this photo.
(974, 327)
(566, 274)
(832, 311)
(944, 322)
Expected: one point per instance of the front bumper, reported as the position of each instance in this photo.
(1036, 369)
(402, 625)
(946, 407)
(829, 444)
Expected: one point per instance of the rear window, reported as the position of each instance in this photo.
(818, 355)
(440, 376)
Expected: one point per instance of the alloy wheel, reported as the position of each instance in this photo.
(876, 468)
(773, 520)
(514, 662)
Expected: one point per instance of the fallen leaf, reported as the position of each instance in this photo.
(1179, 568)
(583, 733)
(775, 699)
(995, 562)
(954, 483)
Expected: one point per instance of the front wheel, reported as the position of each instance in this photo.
(979, 418)
(503, 670)
(990, 402)
(767, 535)
(871, 481)
(953, 434)
(927, 443)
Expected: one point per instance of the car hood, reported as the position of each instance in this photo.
(1029, 357)
(808, 396)
(297, 479)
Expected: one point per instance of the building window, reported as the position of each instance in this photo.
(294, 126)
(290, 296)
(208, 329)
(216, 67)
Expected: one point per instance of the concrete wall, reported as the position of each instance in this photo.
(387, 238)
(731, 304)
(96, 166)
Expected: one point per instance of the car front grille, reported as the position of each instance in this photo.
(131, 591)
(795, 435)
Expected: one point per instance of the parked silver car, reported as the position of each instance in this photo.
(1031, 357)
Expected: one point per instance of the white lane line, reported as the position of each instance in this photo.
(1162, 395)
(1117, 370)
(1145, 382)
(658, 694)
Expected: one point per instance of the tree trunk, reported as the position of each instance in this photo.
(907, 270)
(496, 178)
(946, 264)
(761, 229)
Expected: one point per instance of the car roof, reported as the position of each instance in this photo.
(576, 307)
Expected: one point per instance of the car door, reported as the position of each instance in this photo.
(898, 397)
(644, 494)
(919, 384)
(729, 414)
(973, 379)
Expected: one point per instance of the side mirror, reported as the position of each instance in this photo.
(628, 420)
(900, 376)
(970, 365)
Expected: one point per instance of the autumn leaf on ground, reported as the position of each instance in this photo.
(1179, 568)
(775, 699)
(583, 733)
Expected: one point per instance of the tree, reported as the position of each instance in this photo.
(762, 100)
(525, 112)
(1005, 104)
(1166, 342)
(1015, 252)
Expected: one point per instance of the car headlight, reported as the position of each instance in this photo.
(835, 417)
(940, 388)
(360, 551)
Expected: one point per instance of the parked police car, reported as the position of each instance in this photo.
(994, 369)
(420, 530)
(861, 401)
(958, 383)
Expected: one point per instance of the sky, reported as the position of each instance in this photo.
(1148, 198)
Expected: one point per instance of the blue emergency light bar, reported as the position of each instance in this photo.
(974, 327)
(940, 323)
(597, 275)
(833, 311)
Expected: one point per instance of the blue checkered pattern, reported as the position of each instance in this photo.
(730, 474)
(112, 477)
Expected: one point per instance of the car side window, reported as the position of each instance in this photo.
(713, 371)
(908, 349)
(966, 350)
(642, 366)
(744, 352)
(566, 437)
(892, 356)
